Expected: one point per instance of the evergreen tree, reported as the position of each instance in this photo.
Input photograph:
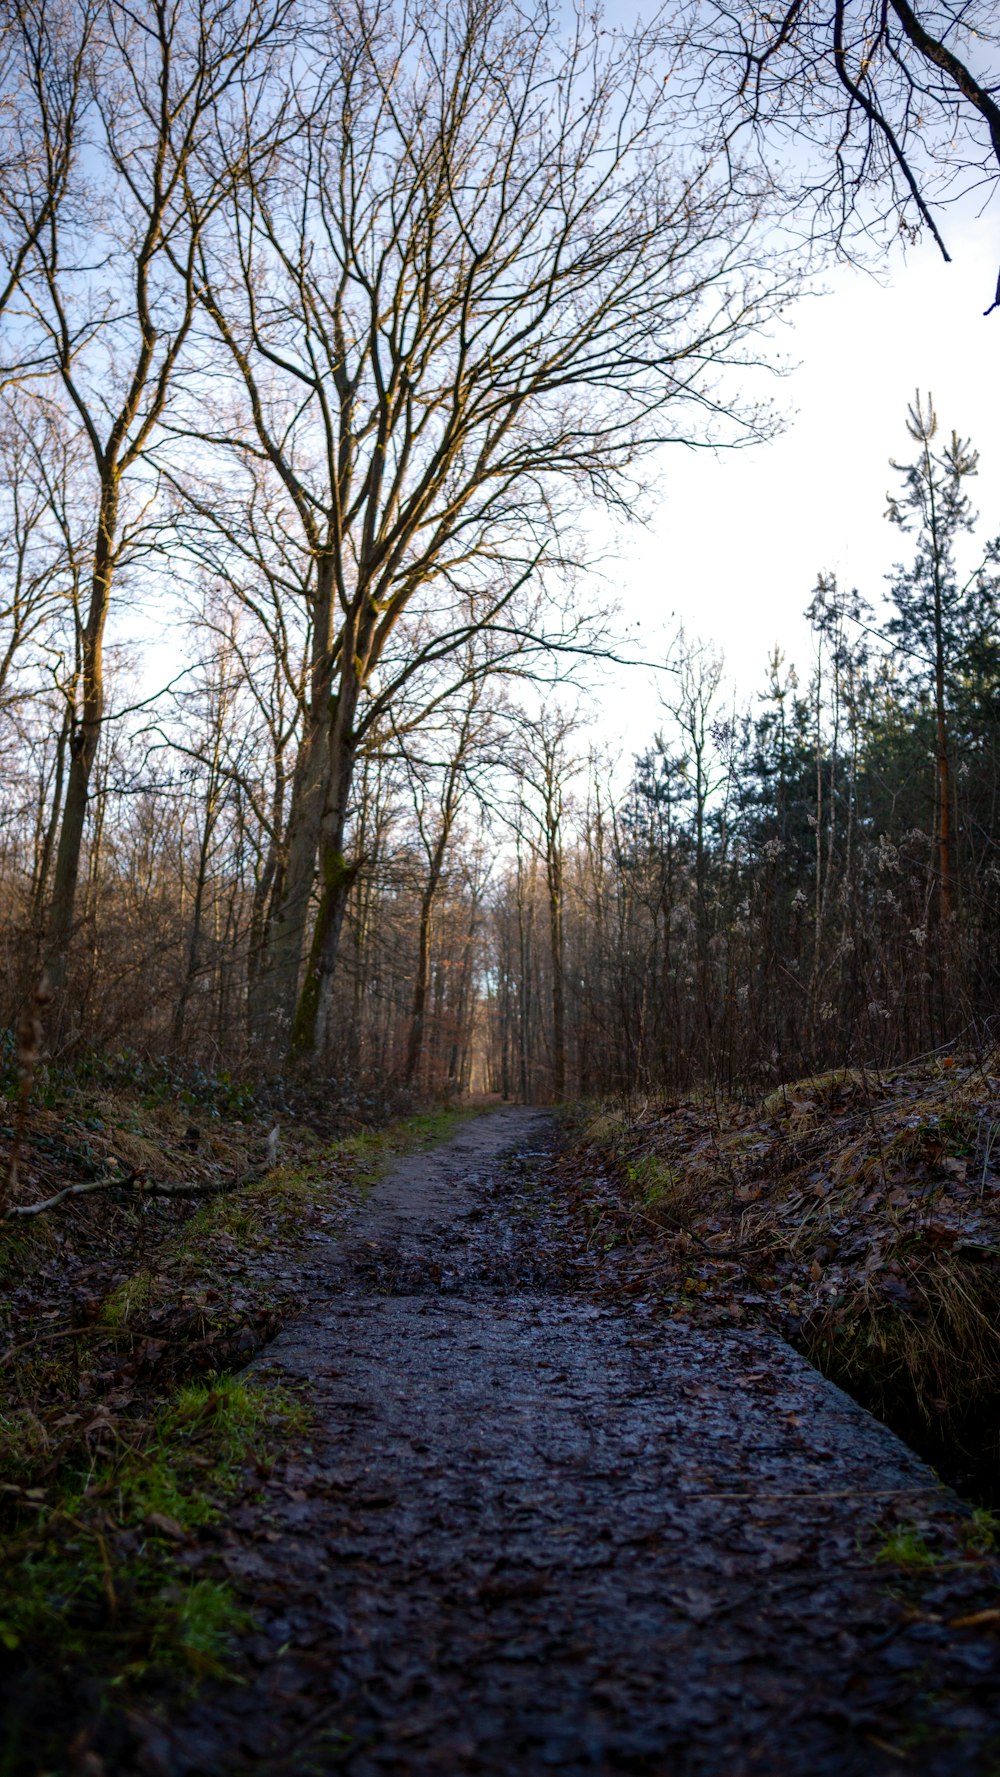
(934, 618)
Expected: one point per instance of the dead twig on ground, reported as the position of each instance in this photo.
(151, 1187)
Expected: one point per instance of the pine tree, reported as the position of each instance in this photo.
(934, 614)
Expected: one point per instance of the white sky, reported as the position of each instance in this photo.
(739, 537)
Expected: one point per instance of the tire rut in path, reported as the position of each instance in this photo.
(533, 1532)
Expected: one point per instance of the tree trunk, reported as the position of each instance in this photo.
(461, 1069)
(558, 972)
(197, 912)
(939, 544)
(41, 881)
(273, 1012)
(277, 980)
(421, 983)
(554, 883)
(944, 794)
(524, 923)
(311, 1033)
(83, 743)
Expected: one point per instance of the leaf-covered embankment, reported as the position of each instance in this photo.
(125, 1310)
(857, 1212)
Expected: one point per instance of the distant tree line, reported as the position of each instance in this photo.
(812, 881)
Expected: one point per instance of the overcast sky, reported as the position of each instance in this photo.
(738, 538)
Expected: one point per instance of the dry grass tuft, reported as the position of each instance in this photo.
(801, 1099)
(861, 1215)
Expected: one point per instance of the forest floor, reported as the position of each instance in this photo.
(856, 1211)
(174, 1245)
(529, 1518)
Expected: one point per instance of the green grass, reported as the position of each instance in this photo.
(94, 1600)
(94, 1576)
(92, 1561)
(277, 1203)
(129, 1298)
(198, 1621)
(373, 1150)
(652, 1179)
(906, 1546)
(24, 1442)
(981, 1534)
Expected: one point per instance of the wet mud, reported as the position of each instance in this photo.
(535, 1529)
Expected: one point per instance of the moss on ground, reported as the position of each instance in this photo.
(105, 1588)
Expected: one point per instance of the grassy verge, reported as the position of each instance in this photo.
(859, 1214)
(216, 1283)
(124, 1436)
(111, 1580)
(97, 1563)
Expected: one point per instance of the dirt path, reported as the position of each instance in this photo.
(534, 1532)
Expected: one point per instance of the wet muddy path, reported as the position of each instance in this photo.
(534, 1530)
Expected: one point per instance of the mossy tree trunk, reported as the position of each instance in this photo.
(274, 997)
(311, 1030)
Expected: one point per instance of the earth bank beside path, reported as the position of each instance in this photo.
(533, 1528)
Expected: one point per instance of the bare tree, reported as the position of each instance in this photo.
(891, 108)
(543, 767)
(482, 277)
(217, 696)
(694, 707)
(437, 799)
(42, 567)
(40, 547)
(108, 283)
(239, 541)
(46, 52)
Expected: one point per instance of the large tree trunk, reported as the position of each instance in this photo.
(276, 984)
(311, 1033)
(265, 898)
(41, 882)
(276, 981)
(83, 744)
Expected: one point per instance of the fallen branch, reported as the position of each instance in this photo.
(153, 1187)
(98, 1184)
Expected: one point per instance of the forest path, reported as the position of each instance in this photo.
(534, 1532)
